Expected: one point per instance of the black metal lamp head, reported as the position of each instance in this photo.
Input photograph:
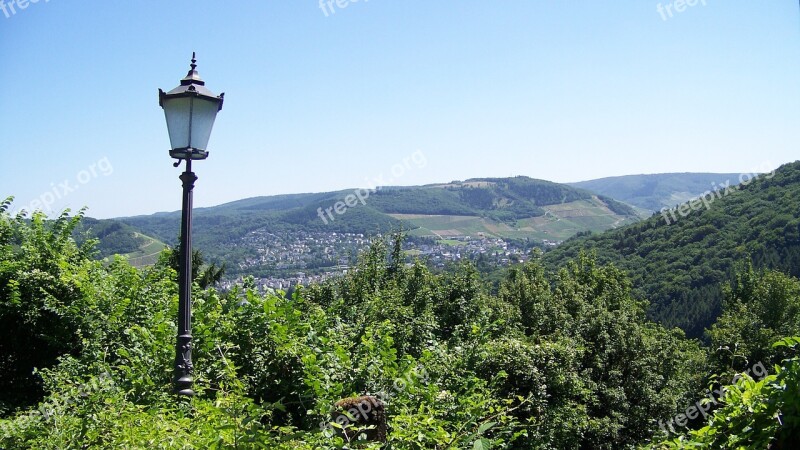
(190, 110)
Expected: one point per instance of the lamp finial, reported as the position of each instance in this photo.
(192, 77)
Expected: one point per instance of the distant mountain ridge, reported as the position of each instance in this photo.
(656, 191)
(679, 264)
(518, 207)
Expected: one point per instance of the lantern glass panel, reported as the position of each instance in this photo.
(176, 110)
(204, 112)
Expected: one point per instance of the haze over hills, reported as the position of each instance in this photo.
(680, 259)
(533, 212)
(656, 191)
(676, 262)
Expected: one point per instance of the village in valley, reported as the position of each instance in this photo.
(288, 259)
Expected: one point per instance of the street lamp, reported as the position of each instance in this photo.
(190, 110)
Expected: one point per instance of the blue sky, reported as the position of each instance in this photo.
(558, 90)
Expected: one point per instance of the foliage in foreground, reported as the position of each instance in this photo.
(760, 406)
(755, 414)
(568, 362)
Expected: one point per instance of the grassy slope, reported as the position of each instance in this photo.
(118, 238)
(148, 253)
(558, 223)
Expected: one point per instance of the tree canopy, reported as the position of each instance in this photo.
(563, 361)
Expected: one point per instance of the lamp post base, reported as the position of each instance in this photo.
(183, 366)
(185, 392)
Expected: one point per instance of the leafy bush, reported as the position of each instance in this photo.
(755, 414)
(572, 364)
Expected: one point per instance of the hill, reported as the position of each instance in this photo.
(679, 259)
(86, 352)
(657, 191)
(117, 238)
(515, 208)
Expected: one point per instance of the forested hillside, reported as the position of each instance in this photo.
(515, 208)
(567, 361)
(501, 199)
(679, 259)
(117, 238)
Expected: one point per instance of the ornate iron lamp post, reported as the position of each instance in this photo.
(190, 110)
